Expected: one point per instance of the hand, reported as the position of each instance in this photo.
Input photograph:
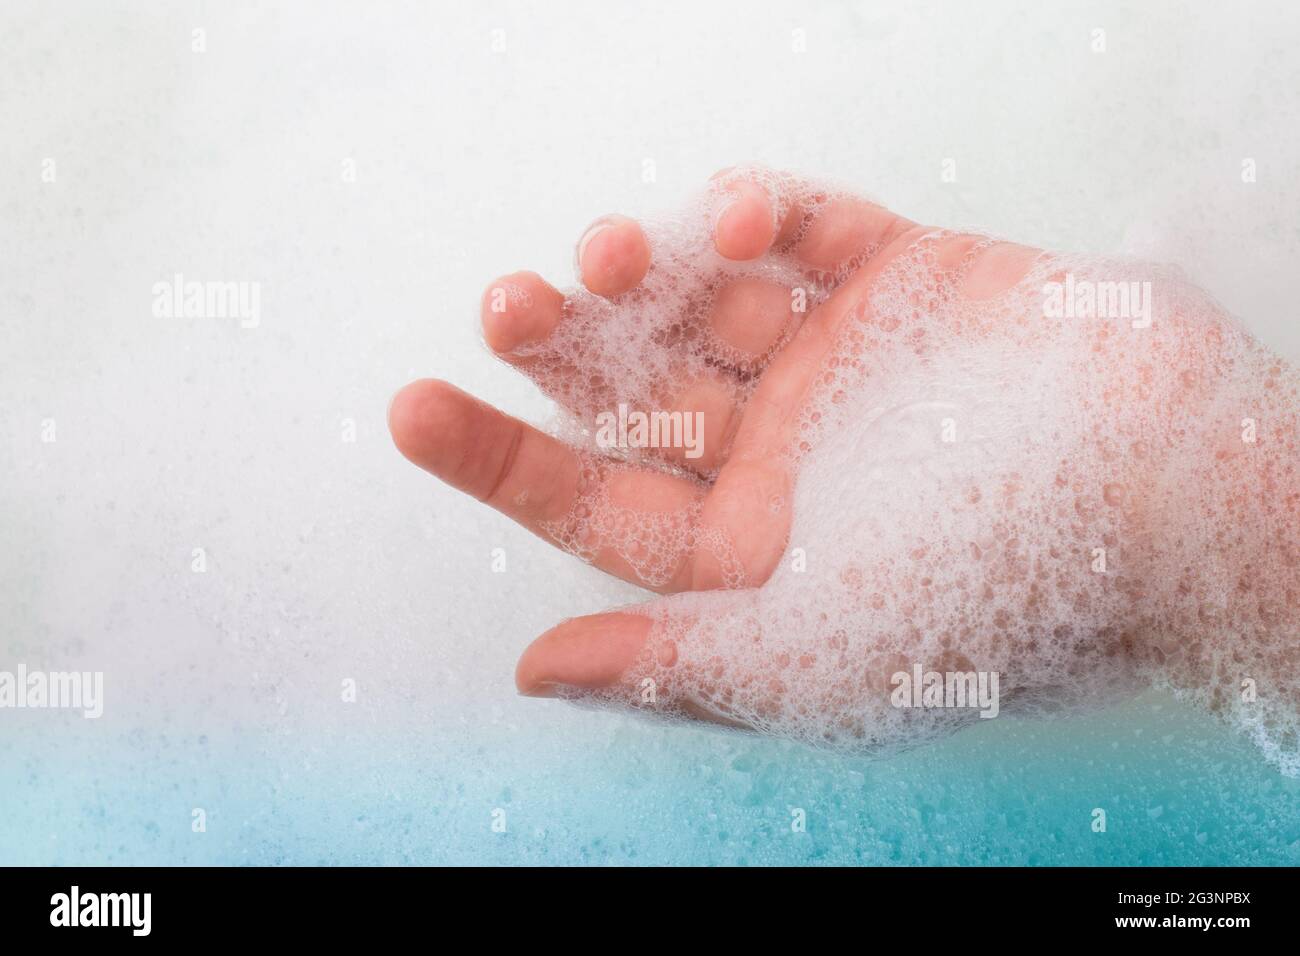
(925, 470)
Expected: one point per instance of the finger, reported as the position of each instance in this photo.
(529, 323)
(826, 232)
(756, 209)
(998, 267)
(610, 514)
(499, 460)
(613, 256)
(518, 310)
(520, 313)
(842, 233)
(688, 422)
(659, 658)
(583, 654)
(745, 226)
(724, 659)
(750, 316)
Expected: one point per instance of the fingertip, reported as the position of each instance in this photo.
(530, 676)
(613, 256)
(744, 229)
(585, 653)
(519, 309)
(419, 413)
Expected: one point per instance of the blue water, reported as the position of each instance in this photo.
(1177, 789)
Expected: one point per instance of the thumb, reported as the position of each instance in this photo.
(641, 657)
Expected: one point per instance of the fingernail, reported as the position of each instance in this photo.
(721, 209)
(545, 689)
(597, 227)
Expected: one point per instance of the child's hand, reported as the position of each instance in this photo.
(920, 452)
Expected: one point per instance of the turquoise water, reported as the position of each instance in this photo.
(1177, 789)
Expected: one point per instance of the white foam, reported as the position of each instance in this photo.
(961, 466)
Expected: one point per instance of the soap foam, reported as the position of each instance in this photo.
(979, 489)
(632, 349)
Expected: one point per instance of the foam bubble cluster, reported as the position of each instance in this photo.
(1065, 498)
(654, 545)
(644, 348)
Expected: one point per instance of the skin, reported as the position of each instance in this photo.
(534, 478)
